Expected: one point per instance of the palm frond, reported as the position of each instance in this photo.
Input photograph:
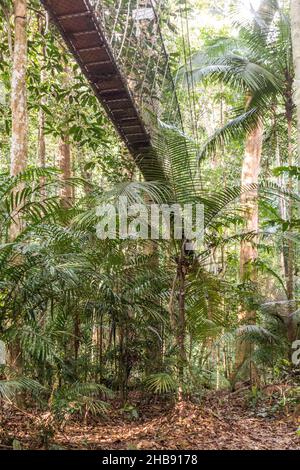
(161, 383)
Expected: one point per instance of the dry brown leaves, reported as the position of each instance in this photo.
(222, 421)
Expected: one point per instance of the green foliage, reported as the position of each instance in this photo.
(92, 318)
(161, 383)
(8, 388)
(79, 398)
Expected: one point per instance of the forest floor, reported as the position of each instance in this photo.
(221, 421)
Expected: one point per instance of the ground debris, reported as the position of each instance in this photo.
(221, 421)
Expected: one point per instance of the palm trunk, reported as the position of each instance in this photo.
(41, 140)
(248, 252)
(154, 358)
(41, 147)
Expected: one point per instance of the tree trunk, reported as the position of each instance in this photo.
(250, 174)
(64, 154)
(182, 359)
(248, 252)
(41, 147)
(295, 26)
(41, 140)
(66, 194)
(18, 91)
(154, 359)
(19, 144)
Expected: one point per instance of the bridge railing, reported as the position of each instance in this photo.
(132, 28)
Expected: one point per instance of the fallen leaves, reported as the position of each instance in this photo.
(219, 422)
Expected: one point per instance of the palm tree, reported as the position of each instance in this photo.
(258, 65)
(295, 24)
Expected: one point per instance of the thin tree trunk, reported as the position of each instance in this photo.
(76, 335)
(19, 92)
(19, 144)
(290, 259)
(41, 140)
(41, 147)
(282, 210)
(181, 327)
(100, 343)
(248, 252)
(64, 157)
(41, 154)
(291, 326)
(66, 194)
(295, 26)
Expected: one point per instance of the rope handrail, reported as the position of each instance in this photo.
(133, 30)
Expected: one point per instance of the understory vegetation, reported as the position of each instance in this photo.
(91, 326)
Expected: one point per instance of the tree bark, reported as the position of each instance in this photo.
(250, 174)
(19, 143)
(41, 151)
(248, 252)
(19, 137)
(41, 139)
(66, 194)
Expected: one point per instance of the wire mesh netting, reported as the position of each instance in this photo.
(132, 28)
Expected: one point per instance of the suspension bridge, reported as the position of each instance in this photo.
(119, 47)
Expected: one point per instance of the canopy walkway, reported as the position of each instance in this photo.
(119, 47)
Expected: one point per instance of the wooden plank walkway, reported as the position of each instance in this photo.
(82, 33)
